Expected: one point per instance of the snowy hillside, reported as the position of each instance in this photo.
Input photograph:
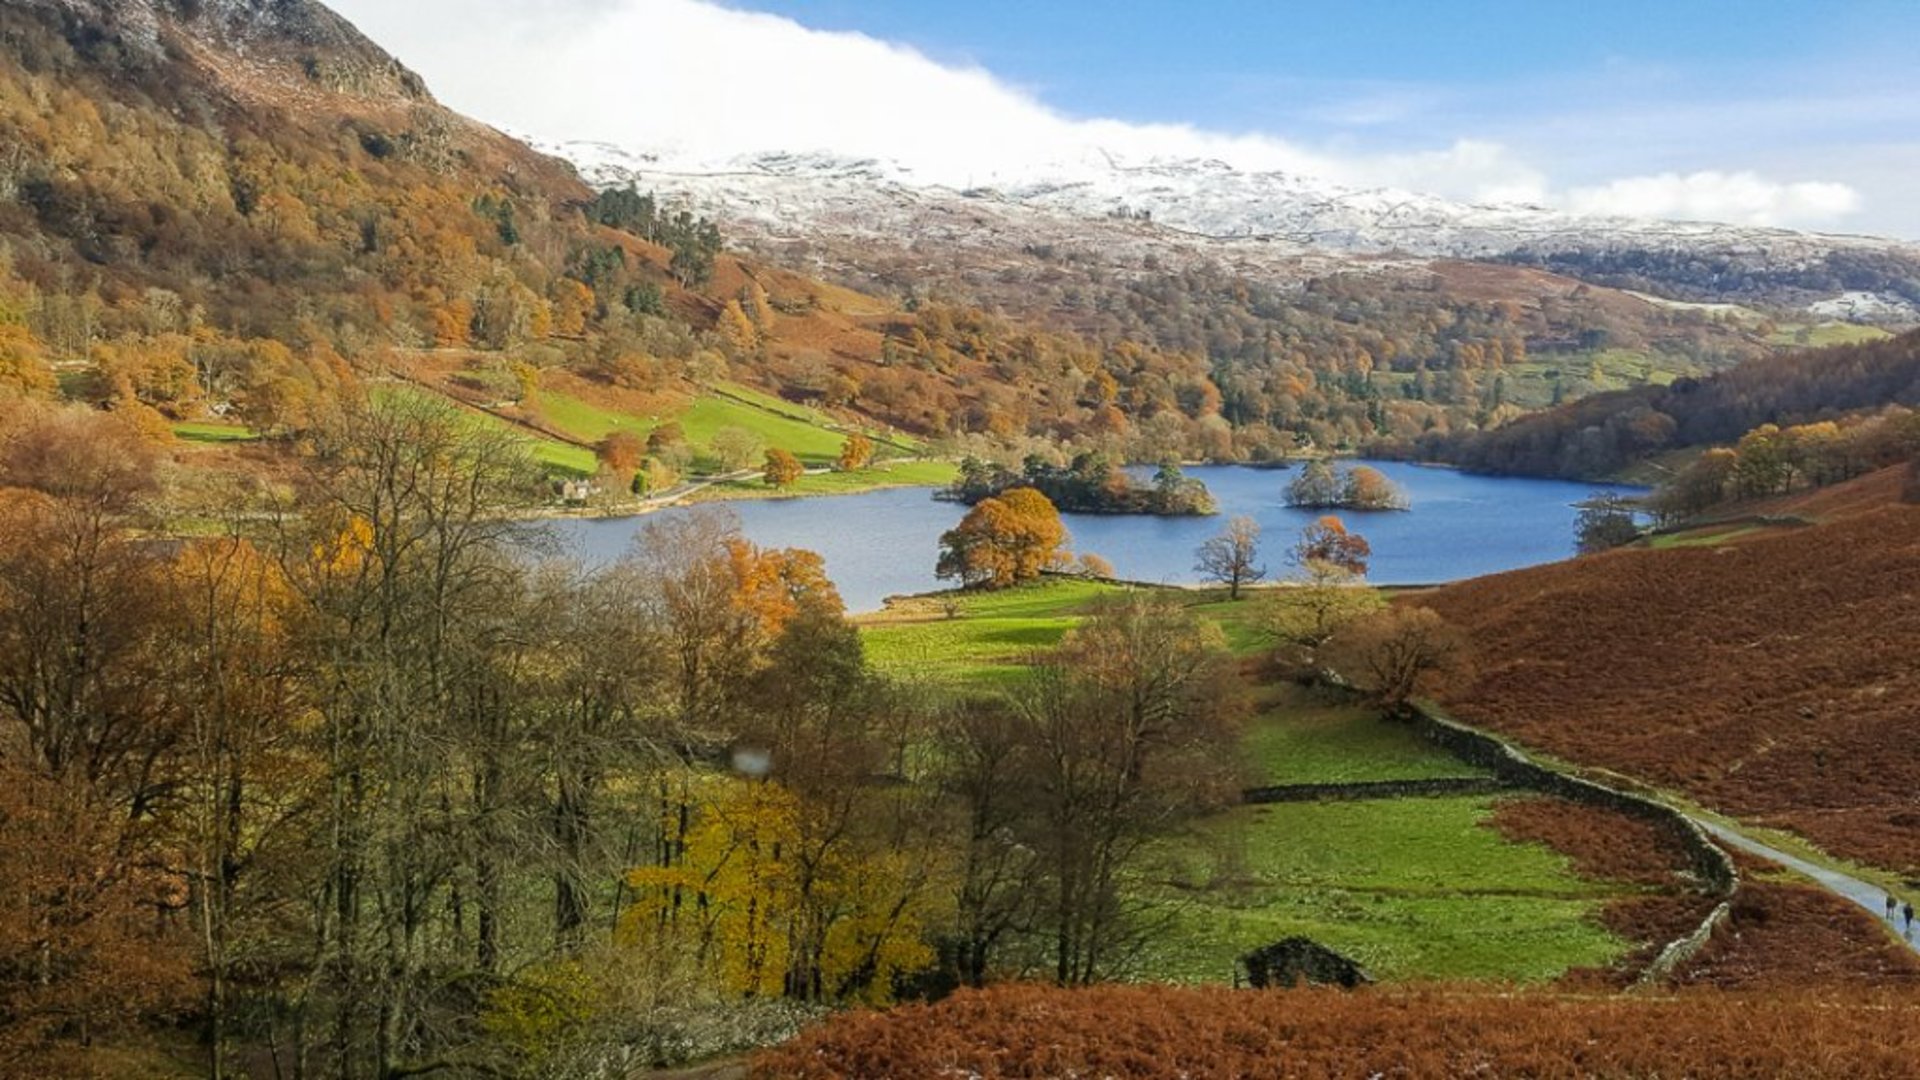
(1285, 223)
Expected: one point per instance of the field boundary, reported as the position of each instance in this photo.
(1375, 789)
(1711, 862)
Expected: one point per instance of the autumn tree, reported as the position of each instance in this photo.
(736, 447)
(81, 613)
(1322, 487)
(1702, 485)
(1317, 487)
(1326, 593)
(404, 562)
(666, 437)
(856, 453)
(23, 366)
(1367, 488)
(692, 598)
(621, 452)
(91, 733)
(654, 476)
(1398, 653)
(1231, 557)
(81, 943)
(1002, 541)
(246, 760)
(737, 329)
(782, 469)
(986, 757)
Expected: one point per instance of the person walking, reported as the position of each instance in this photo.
(1893, 907)
(1907, 910)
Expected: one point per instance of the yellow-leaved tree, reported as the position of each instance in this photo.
(23, 366)
(743, 888)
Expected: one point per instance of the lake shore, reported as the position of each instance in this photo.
(884, 542)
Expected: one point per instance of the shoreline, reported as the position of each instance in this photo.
(698, 496)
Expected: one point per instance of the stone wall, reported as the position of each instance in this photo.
(1713, 866)
(1376, 789)
(1710, 863)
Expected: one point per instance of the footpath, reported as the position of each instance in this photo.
(1871, 897)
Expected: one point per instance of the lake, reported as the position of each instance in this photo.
(884, 543)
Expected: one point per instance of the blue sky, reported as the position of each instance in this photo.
(1208, 58)
(1802, 114)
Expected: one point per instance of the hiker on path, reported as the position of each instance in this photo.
(1893, 906)
(1907, 910)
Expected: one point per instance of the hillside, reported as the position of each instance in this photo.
(1360, 316)
(1609, 432)
(1770, 678)
(1286, 222)
(242, 211)
(245, 211)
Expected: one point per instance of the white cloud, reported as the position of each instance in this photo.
(1741, 197)
(710, 83)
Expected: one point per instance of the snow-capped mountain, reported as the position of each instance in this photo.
(1276, 223)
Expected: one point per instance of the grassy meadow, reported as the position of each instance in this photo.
(1415, 889)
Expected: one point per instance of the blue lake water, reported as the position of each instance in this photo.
(884, 543)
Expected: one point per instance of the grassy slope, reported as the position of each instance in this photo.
(811, 435)
(881, 475)
(559, 456)
(1411, 888)
(1415, 889)
(212, 432)
(1821, 335)
(1299, 741)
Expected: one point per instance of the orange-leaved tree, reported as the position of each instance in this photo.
(856, 453)
(782, 468)
(1004, 540)
(1326, 546)
(621, 452)
(1367, 488)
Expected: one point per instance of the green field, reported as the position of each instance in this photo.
(989, 634)
(810, 443)
(212, 432)
(883, 475)
(589, 423)
(1413, 889)
(809, 434)
(556, 455)
(1699, 538)
(1822, 335)
(1530, 384)
(992, 635)
(1296, 740)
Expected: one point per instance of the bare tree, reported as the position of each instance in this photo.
(1400, 652)
(1131, 726)
(1231, 557)
(404, 565)
(985, 761)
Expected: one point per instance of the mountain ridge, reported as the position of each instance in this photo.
(1218, 209)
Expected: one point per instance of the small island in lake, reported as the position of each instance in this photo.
(1320, 486)
(1091, 484)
